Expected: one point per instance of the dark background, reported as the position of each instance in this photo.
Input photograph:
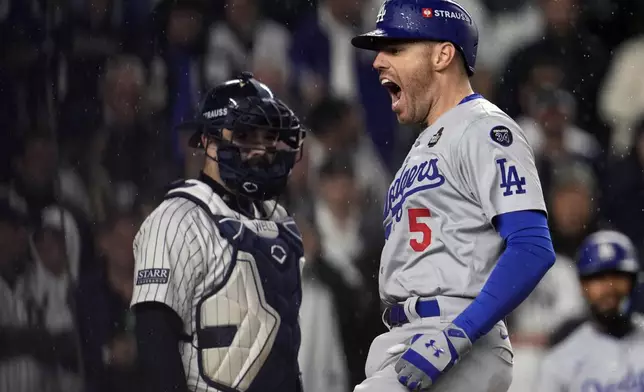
(90, 91)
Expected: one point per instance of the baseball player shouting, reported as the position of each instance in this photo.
(465, 221)
(217, 281)
(606, 353)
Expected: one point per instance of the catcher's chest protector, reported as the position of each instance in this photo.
(277, 277)
(248, 334)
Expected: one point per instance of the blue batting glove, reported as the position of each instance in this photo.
(430, 356)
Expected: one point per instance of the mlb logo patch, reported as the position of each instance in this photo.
(427, 13)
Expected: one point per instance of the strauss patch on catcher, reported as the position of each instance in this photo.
(465, 221)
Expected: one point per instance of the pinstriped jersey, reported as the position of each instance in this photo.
(472, 164)
(189, 256)
(20, 373)
(592, 361)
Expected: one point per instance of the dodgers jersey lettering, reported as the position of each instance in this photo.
(233, 281)
(472, 164)
(591, 361)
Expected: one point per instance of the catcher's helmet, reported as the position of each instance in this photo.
(242, 106)
(607, 251)
(431, 20)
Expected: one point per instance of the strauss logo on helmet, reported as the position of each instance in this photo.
(452, 15)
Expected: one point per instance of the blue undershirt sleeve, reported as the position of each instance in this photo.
(527, 257)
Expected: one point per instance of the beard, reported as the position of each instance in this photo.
(615, 322)
(258, 163)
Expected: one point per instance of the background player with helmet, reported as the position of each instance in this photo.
(218, 263)
(606, 353)
(465, 221)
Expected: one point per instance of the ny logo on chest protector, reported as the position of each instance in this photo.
(510, 178)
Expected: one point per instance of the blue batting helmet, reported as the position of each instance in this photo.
(607, 251)
(431, 20)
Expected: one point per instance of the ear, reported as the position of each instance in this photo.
(444, 54)
(208, 146)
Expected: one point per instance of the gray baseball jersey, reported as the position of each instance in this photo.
(185, 260)
(471, 165)
(591, 361)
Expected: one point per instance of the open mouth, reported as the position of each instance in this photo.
(393, 88)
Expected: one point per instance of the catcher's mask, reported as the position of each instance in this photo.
(258, 138)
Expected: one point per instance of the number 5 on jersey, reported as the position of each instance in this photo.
(420, 228)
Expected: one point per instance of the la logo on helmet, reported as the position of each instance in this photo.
(381, 14)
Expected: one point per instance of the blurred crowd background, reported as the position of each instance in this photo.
(90, 91)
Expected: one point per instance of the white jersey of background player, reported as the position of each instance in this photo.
(218, 263)
(465, 222)
(606, 353)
